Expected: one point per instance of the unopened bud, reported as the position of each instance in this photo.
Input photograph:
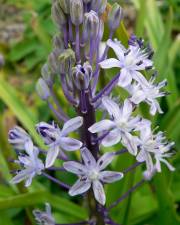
(91, 25)
(58, 14)
(65, 5)
(76, 11)
(101, 29)
(115, 16)
(58, 42)
(99, 6)
(42, 89)
(82, 76)
(47, 75)
(53, 61)
(66, 60)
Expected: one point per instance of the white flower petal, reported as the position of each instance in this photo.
(138, 97)
(88, 158)
(29, 180)
(51, 156)
(117, 49)
(29, 147)
(112, 138)
(140, 78)
(170, 167)
(69, 144)
(130, 143)
(99, 192)
(127, 109)
(110, 176)
(141, 156)
(72, 125)
(105, 160)
(125, 78)
(101, 126)
(112, 107)
(149, 162)
(22, 175)
(110, 63)
(75, 167)
(79, 187)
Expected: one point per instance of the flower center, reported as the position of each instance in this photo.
(93, 175)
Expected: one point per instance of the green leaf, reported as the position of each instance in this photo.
(9, 95)
(31, 199)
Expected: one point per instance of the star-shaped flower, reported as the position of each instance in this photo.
(154, 147)
(91, 174)
(31, 163)
(131, 61)
(120, 126)
(57, 139)
(44, 218)
(147, 92)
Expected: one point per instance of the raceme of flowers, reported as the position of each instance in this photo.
(77, 60)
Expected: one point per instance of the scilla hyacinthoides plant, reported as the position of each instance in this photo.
(77, 59)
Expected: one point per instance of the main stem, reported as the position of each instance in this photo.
(87, 138)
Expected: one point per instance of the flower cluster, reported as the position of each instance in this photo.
(76, 60)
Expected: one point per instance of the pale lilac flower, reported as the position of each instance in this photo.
(57, 139)
(120, 126)
(31, 163)
(131, 61)
(154, 147)
(147, 92)
(18, 138)
(44, 218)
(91, 174)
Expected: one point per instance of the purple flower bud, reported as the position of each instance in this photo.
(42, 89)
(47, 75)
(82, 76)
(76, 11)
(53, 61)
(115, 16)
(58, 42)
(58, 15)
(98, 6)
(65, 5)
(66, 60)
(91, 25)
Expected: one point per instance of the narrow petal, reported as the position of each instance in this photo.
(127, 108)
(69, 144)
(51, 156)
(141, 157)
(110, 63)
(88, 158)
(72, 125)
(79, 187)
(112, 107)
(101, 126)
(22, 175)
(130, 143)
(99, 192)
(74, 167)
(117, 49)
(170, 167)
(149, 162)
(29, 180)
(140, 79)
(112, 138)
(105, 160)
(110, 176)
(138, 97)
(29, 147)
(125, 78)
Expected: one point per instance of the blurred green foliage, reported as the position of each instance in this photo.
(25, 41)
